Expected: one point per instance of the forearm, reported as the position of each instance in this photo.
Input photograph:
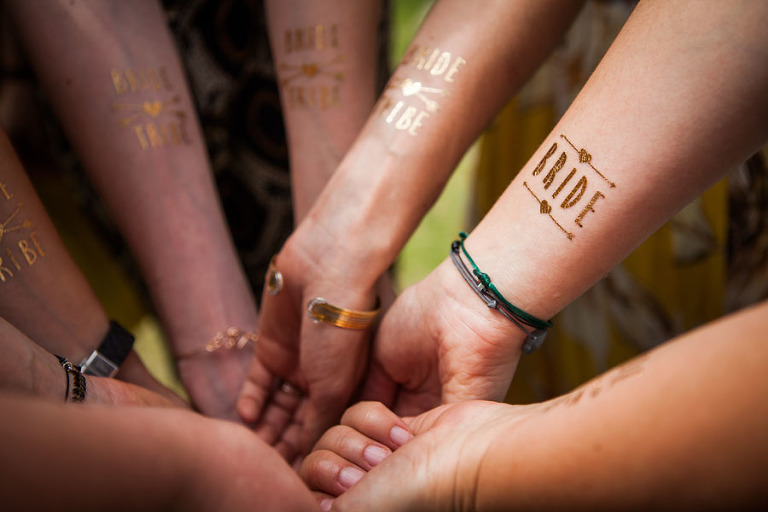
(118, 87)
(28, 369)
(682, 427)
(126, 458)
(652, 139)
(42, 292)
(325, 56)
(462, 66)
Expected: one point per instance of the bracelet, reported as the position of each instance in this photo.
(77, 391)
(230, 339)
(105, 361)
(493, 298)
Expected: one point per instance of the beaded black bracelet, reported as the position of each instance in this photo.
(76, 387)
(486, 290)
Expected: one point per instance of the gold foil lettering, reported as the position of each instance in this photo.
(564, 183)
(578, 191)
(139, 131)
(584, 187)
(550, 177)
(543, 162)
(29, 254)
(4, 271)
(13, 259)
(588, 208)
(391, 116)
(33, 237)
(417, 122)
(441, 65)
(449, 76)
(5, 192)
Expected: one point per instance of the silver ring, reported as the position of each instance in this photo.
(289, 389)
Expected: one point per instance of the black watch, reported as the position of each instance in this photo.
(105, 361)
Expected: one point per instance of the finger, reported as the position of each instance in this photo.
(327, 472)
(276, 417)
(254, 393)
(353, 446)
(379, 386)
(413, 403)
(324, 500)
(378, 423)
(292, 444)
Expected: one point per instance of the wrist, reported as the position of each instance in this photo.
(469, 309)
(47, 378)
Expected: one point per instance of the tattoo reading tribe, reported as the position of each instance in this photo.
(312, 84)
(26, 251)
(582, 167)
(627, 370)
(402, 114)
(156, 123)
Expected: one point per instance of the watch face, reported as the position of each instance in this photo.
(99, 366)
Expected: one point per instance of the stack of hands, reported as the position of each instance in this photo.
(329, 338)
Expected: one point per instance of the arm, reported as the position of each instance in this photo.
(113, 76)
(28, 369)
(462, 66)
(641, 140)
(42, 292)
(93, 458)
(682, 427)
(326, 56)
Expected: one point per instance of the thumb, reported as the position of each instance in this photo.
(379, 386)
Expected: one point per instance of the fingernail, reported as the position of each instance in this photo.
(326, 504)
(350, 476)
(373, 454)
(399, 435)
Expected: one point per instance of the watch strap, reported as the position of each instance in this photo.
(105, 361)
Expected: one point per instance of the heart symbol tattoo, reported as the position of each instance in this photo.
(153, 108)
(410, 87)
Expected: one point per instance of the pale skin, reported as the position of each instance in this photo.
(680, 428)
(42, 291)
(325, 57)
(28, 369)
(653, 130)
(660, 138)
(113, 76)
(83, 458)
(374, 200)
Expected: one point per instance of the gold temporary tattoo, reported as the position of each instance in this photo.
(408, 114)
(21, 224)
(154, 122)
(546, 209)
(309, 81)
(632, 368)
(318, 37)
(5, 192)
(21, 250)
(134, 80)
(575, 183)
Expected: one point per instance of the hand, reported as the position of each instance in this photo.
(238, 471)
(214, 379)
(102, 390)
(435, 470)
(133, 371)
(440, 343)
(322, 362)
